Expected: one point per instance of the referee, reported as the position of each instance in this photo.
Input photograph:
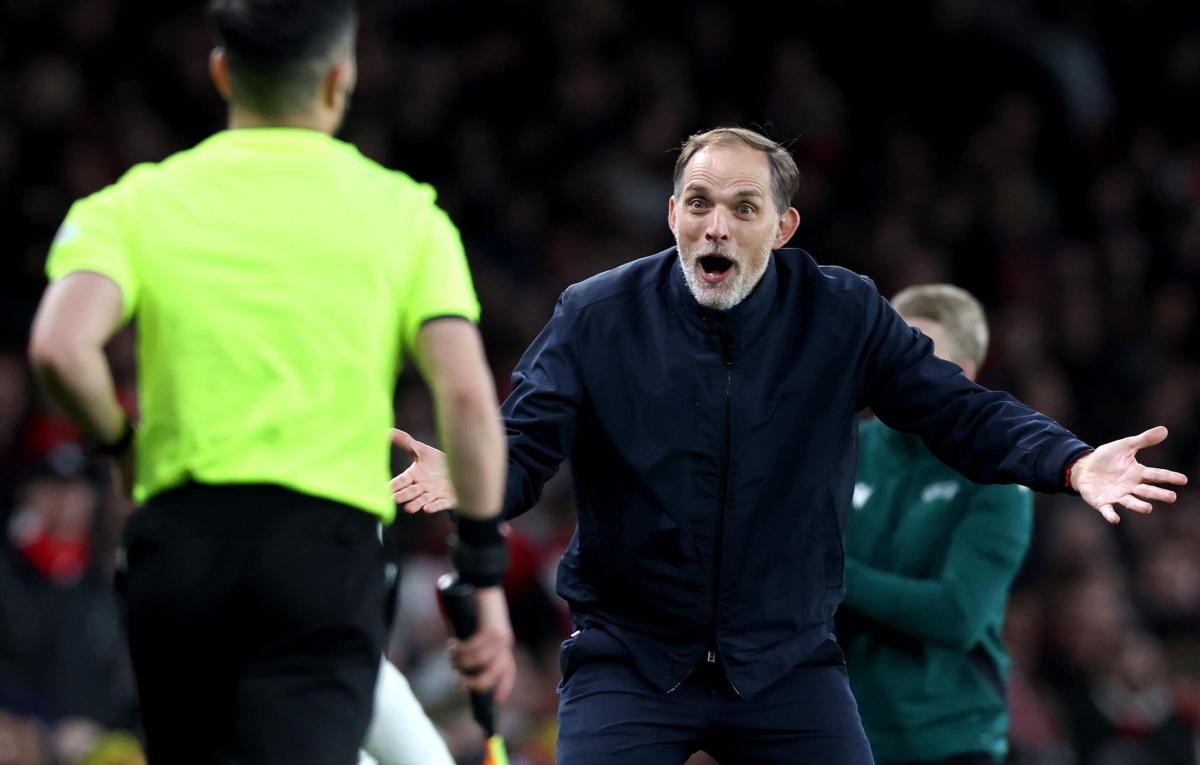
(276, 276)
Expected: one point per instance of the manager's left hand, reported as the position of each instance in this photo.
(1111, 476)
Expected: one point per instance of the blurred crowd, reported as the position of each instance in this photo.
(1044, 155)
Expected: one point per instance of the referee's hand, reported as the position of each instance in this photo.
(425, 486)
(486, 659)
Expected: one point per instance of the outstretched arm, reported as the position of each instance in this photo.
(541, 417)
(989, 436)
(544, 409)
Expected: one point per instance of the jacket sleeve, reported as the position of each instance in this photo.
(541, 414)
(983, 557)
(986, 435)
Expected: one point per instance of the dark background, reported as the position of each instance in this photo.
(1044, 155)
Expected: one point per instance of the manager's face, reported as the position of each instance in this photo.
(725, 223)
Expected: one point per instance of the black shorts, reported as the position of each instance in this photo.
(255, 618)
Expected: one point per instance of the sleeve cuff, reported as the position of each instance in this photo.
(1051, 471)
(1071, 466)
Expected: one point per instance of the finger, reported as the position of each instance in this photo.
(472, 672)
(409, 493)
(454, 650)
(1131, 502)
(475, 683)
(1158, 475)
(464, 669)
(506, 683)
(486, 679)
(1148, 438)
(408, 506)
(432, 505)
(421, 501)
(1109, 514)
(1156, 493)
(402, 480)
(496, 676)
(475, 653)
(438, 505)
(405, 441)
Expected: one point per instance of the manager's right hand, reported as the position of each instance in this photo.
(425, 485)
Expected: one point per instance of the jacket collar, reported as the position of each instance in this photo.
(744, 319)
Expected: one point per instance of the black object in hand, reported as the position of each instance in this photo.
(458, 601)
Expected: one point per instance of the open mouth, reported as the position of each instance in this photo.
(714, 268)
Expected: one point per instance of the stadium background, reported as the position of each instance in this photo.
(1045, 155)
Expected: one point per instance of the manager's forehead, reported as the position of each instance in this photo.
(728, 160)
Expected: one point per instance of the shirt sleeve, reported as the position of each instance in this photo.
(983, 557)
(986, 435)
(440, 281)
(93, 237)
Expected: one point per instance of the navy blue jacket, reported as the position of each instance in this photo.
(713, 453)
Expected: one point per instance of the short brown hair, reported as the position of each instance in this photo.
(957, 310)
(785, 176)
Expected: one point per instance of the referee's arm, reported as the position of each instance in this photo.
(77, 316)
(451, 359)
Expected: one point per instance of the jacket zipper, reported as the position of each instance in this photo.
(727, 356)
(683, 680)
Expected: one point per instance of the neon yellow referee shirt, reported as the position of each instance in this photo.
(275, 275)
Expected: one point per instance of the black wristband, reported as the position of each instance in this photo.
(479, 552)
(478, 531)
(121, 445)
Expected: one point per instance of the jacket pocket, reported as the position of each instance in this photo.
(565, 667)
(588, 644)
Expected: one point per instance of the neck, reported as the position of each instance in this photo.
(244, 118)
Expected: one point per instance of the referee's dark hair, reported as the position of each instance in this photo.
(278, 50)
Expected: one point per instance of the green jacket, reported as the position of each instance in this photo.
(930, 557)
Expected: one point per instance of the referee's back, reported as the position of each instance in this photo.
(276, 276)
(274, 273)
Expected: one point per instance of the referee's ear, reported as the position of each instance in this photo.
(338, 85)
(218, 69)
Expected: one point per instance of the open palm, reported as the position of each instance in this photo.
(425, 485)
(1112, 476)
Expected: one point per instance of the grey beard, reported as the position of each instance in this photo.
(724, 296)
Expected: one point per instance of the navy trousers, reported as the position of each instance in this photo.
(608, 714)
